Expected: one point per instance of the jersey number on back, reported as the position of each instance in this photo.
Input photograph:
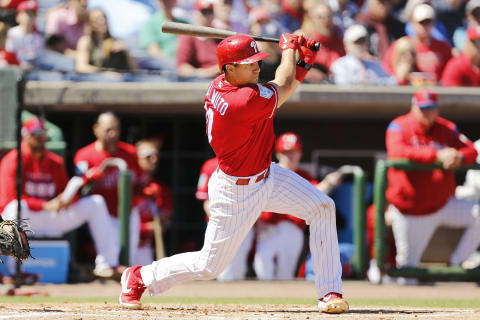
(209, 118)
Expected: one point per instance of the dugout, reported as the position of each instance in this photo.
(348, 123)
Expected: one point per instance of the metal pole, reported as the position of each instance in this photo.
(20, 101)
(380, 185)
(124, 208)
(359, 220)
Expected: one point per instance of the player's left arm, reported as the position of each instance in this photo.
(291, 73)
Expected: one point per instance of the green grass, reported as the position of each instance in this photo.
(421, 303)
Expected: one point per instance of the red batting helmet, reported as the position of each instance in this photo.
(240, 49)
(288, 141)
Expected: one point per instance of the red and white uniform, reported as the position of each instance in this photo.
(154, 200)
(280, 239)
(237, 269)
(423, 200)
(240, 131)
(107, 185)
(43, 180)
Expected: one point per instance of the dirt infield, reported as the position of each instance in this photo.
(247, 289)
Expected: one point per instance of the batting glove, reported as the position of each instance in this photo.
(288, 41)
(307, 55)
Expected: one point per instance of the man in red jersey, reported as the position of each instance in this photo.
(239, 116)
(431, 54)
(237, 269)
(463, 70)
(280, 236)
(43, 201)
(91, 159)
(420, 201)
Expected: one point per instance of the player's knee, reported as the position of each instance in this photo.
(208, 274)
(326, 207)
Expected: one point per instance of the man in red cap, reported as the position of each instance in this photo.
(45, 204)
(463, 70)
(239, 123)
(420, 201)
(280, 236)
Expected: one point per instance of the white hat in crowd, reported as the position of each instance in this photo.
(472, 5)
(354, 32)
(423, 12)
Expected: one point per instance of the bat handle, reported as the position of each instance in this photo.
(316, 46)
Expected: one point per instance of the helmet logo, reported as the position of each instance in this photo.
(253, 44)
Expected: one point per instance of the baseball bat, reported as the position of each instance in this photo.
(208, 32)
(157, 233)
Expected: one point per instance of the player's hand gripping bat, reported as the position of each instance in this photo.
(208, 32)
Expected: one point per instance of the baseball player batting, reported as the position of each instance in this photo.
(239, 123)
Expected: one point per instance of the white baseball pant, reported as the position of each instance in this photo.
(235, 209)
(283, 241)
(91, 209)
(237, 269)
(412, 233)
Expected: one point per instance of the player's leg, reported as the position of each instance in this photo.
(237, 269)
(291, 241)
(265, 251)
(234, 209)
(462, 213)
(296, 196)
(412, 234)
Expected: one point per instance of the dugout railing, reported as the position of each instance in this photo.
(447, 273)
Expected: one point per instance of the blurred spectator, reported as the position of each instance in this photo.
(92, 162)
(439, 31)
(155, 200)
(421, 201)
(68, 21)
(6, 57)
(162, 46)
(239, 16)
(322, 29)
(196, 57)
(44, 202)
(237, 269)
(8, 9)
(431, 54)
(357, 68)
(472, 17)
(97, 50)
(404, 63)
(23, 39)
(262, 24)
(463, 70)
(289, 13)
(344, 12)
(126, 17)
(222, 10)
(381, 26)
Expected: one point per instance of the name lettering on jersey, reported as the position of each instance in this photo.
(265, 92)
(219, 104)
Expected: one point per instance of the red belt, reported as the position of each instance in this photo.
(246, 181)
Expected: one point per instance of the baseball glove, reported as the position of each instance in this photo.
(14, 240)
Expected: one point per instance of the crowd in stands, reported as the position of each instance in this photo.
(364, 42)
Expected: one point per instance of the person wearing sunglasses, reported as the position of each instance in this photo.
(421, 201)
(431, 54)
(463, 70)
(196, 59)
